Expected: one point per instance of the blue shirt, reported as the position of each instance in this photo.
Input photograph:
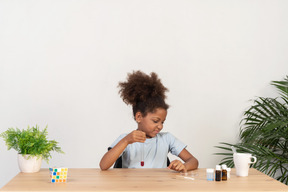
(156, 150)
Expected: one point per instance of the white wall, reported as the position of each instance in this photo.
(60, 62)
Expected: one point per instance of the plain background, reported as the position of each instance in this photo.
(61, 61)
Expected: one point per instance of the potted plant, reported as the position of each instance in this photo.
(32, 146)
(264, 133)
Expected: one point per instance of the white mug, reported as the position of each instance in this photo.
(242, 163)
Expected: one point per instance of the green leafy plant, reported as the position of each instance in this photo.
(264, 133)
(31, 141)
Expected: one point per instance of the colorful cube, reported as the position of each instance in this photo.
(58, 174)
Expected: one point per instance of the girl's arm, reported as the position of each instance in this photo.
(191, 162)
(112, 155)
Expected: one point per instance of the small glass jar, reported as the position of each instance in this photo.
(218, 173)
(224, 172)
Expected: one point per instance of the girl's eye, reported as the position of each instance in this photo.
(155, 121)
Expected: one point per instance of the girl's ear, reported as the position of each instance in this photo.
(138, 117)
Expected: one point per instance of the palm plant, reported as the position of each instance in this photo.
(264, 133)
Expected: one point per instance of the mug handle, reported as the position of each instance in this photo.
(255, 159)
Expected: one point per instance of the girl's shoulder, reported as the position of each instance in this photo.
(165, 135)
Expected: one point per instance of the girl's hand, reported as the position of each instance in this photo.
(177, 166)
(136, 136)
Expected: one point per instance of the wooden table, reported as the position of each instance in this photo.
(141, 180)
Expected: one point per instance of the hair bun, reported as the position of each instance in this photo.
(141, 87)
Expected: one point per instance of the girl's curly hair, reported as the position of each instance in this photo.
(145, 93)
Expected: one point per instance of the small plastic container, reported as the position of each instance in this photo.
(210, 174)
(228, 173)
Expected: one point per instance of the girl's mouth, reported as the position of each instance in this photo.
(156, 131)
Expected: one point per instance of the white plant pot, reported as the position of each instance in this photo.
(29, 165)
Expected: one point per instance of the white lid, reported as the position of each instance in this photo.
(218, 167)
(210, 170)
(228, 169)
(224, 166)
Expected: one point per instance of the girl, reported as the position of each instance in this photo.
(147, 96)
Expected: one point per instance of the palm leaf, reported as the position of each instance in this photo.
(264, 133)
(282, 86)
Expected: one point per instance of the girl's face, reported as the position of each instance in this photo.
(152, 123)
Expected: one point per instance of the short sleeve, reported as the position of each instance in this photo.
(175, 145)
(117, 140)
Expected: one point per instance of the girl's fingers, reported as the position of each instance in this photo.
(177, 166)
(172, 164)
(140, 136)
(137, 136)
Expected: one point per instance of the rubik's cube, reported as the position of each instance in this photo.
(58, 175)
